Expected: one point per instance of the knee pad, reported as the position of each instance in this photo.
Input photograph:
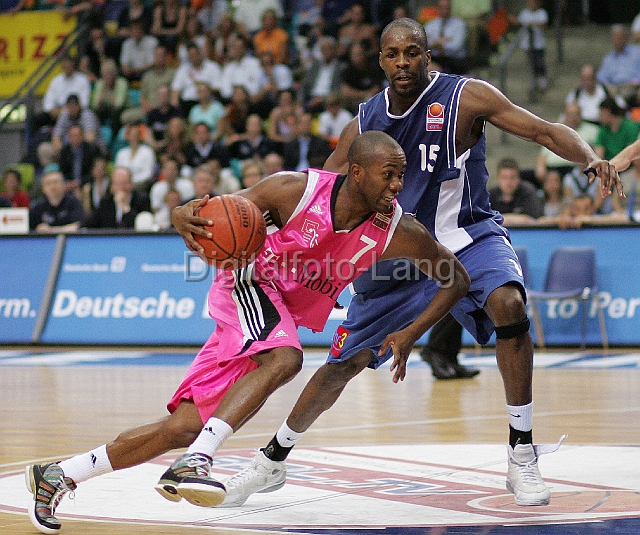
(513, 329)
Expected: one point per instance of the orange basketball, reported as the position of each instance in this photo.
(238, 231)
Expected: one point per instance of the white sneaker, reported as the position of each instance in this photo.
(262, 475)
(523, 476)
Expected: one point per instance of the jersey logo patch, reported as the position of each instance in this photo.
(381, 221)
(338, 340)
(310, 232)
(435, 116)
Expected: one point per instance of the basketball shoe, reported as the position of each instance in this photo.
(188, 478)
(262, 475)
(48, 485)
(523, 477)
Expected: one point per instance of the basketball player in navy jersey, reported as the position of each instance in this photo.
(439, 121)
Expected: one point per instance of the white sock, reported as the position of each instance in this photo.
(213, 434)
(286, 437)
(87, 465)
(521, 416)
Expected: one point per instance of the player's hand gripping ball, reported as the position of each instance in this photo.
(238, 231)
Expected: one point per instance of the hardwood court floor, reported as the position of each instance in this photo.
(51, 412)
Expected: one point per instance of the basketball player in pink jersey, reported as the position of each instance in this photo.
(327, 230)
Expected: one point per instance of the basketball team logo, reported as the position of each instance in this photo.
(435, 117)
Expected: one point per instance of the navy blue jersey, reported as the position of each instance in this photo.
(446, 192)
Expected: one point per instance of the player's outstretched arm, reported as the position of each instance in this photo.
(337, 162)
(623, 159)
(412, 240)
(480, 100)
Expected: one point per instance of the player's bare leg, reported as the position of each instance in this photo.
(514, 353)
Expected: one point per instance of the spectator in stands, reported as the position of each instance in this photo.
(236, 113)
(306, 149)
(110, 96)
(581, 211)
(119, 207)
(169, 20)
(272, 163)
(253, 143)
(252, 172)
(248, 13)
(4, 202)
(553, 197)
(76, 160)
(193, 33)
(620, 68)
(162, 218)
(589, 94)
(57, 210)
(548, 160)
(211, 12)
(222, 38)
(12, 189)
(355, 29)
(184, 91)
(72, 114)
(208, 110)
(275, 77)
(516, 199)
(97, 186)
(158, 119)
(135, 10)
(534, 19)
(69, 82)
(616, 130)
(447, 37)
(159, 75)
(475, 14)
(271, 38)
(321, 77)
(361, 78)
(175, 142)
(283, 119)
(95, 52)
(241, 69)
(138, 157)
(203, 148)
(226, 181)
(332, 121)
(205, 180)
(138, 52)
(170, 179)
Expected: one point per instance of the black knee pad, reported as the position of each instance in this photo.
(513, 329)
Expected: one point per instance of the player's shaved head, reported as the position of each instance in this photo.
(407, 24)
(371, 145)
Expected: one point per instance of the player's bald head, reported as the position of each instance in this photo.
(370, 146)
(406, 25)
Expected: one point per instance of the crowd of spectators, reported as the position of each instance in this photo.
(167, 101)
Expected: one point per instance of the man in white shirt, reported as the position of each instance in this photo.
(243, 69)
(589, 95)
(171, 179)
(249, 12)
(138, 52)
(69, 82)
(184, 90)
(447, 39)
(321, 78)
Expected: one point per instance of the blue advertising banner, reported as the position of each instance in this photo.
(24, 269)
(136, 289)
(618, 277)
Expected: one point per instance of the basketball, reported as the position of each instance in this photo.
(238, 231)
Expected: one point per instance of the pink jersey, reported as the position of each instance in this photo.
(310, 263)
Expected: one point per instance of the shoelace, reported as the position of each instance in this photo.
(200, 465)
(244, 475)
(529, 472)
(62, 490)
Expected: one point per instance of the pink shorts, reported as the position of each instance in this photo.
(251, 318)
